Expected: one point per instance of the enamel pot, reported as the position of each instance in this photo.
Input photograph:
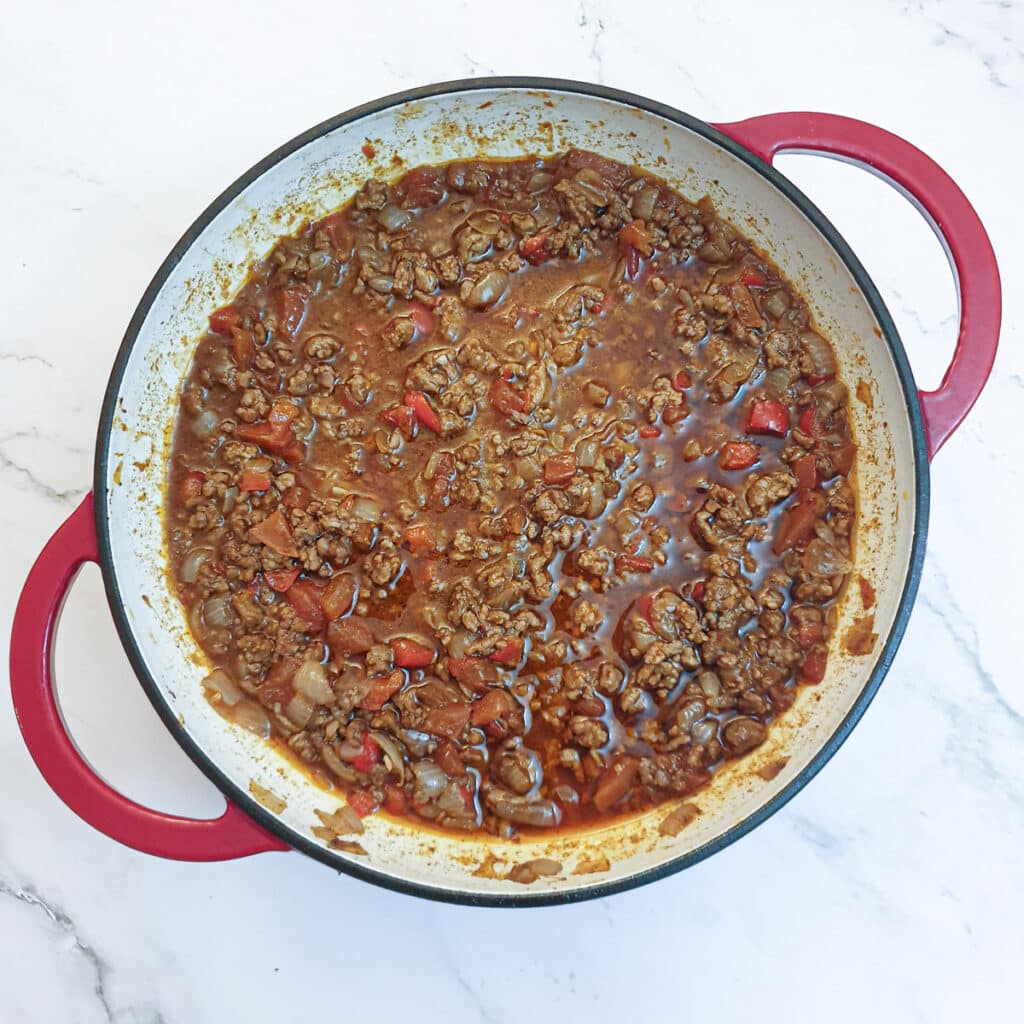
(897, 427)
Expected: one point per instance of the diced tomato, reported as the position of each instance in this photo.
(636, 236)
(819, 378)
(410, 654)
(362, 802)
(382, 689)
(339, 595)
(449, 720)
(276, 533)
(281, 579)
(753, 278)
(806, 472)
(192, 485)
(223, 319)
(510, 653)
(649, 432)
(419, 539)
(738, 455)
(368, 756)
(795, 525)
(698, 590)
(632, 257)
(474, 673)
(304, 596)
(842, 456)
(807, 634)
(446, 757)
(505, 398)
(422, 316)
(559, 469)
(681, 381)
(768, 417)
(291, 308)
(243, 348)
(252, 481)
(296, 496)
(643, 607)
(403, 417)
(746, 308)
(422, 187)
(417, 401)
(395, 801)
(535, 248)
(335, 227)
(813, 668)
(808, 423)
(274, 436)
(276, 687)
(491, 708)
(633, 563)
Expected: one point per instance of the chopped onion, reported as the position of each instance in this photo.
(221, 683)
(217, 612)
(704, 732)
(230, 497)
(643, 202)
(299, 710)
(522, 811)
(192, 563)
(430, 780)
(311, 680)
(586, 453)
(205, 423)
(489, 290)
(540, 181)
(819, 354)
(342, 770)
(252, 717)
(366, 509)
(776, 302)
(392, 218)
(822, 559)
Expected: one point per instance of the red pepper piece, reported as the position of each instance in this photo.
(633, 563)
(252, 481)
(510, 653)
(362, 802)
(505, 398)
(192, 485)
(410, 654)
(738, 455)
(368, 756)
(281, 579)
(535, 248)
(304, 596)
(768, 417)
(815, 664)
(223, 319)
(417, 401)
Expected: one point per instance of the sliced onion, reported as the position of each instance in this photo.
(230, 497)
(311, 680)
(252, 717)
(342, 770)
(221, 683)
(390, 747)
(217, 612)
(704, 732)
(192, 563)
(393, 218)
(486, 222)
(776, 302)
(598, 499)
(205, 423)
(299, 710)
(489, 290)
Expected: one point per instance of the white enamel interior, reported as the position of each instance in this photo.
(318, 177)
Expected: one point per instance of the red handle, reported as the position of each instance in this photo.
(233, 834)
(952, 218)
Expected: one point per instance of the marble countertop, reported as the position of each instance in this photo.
(890, 889)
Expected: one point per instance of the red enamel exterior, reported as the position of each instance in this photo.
(952, 218)
(233, 834)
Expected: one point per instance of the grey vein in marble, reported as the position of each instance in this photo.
(596, 26)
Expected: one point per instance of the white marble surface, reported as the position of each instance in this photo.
(891, 889)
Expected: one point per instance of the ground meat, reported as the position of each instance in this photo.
(478, 451)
